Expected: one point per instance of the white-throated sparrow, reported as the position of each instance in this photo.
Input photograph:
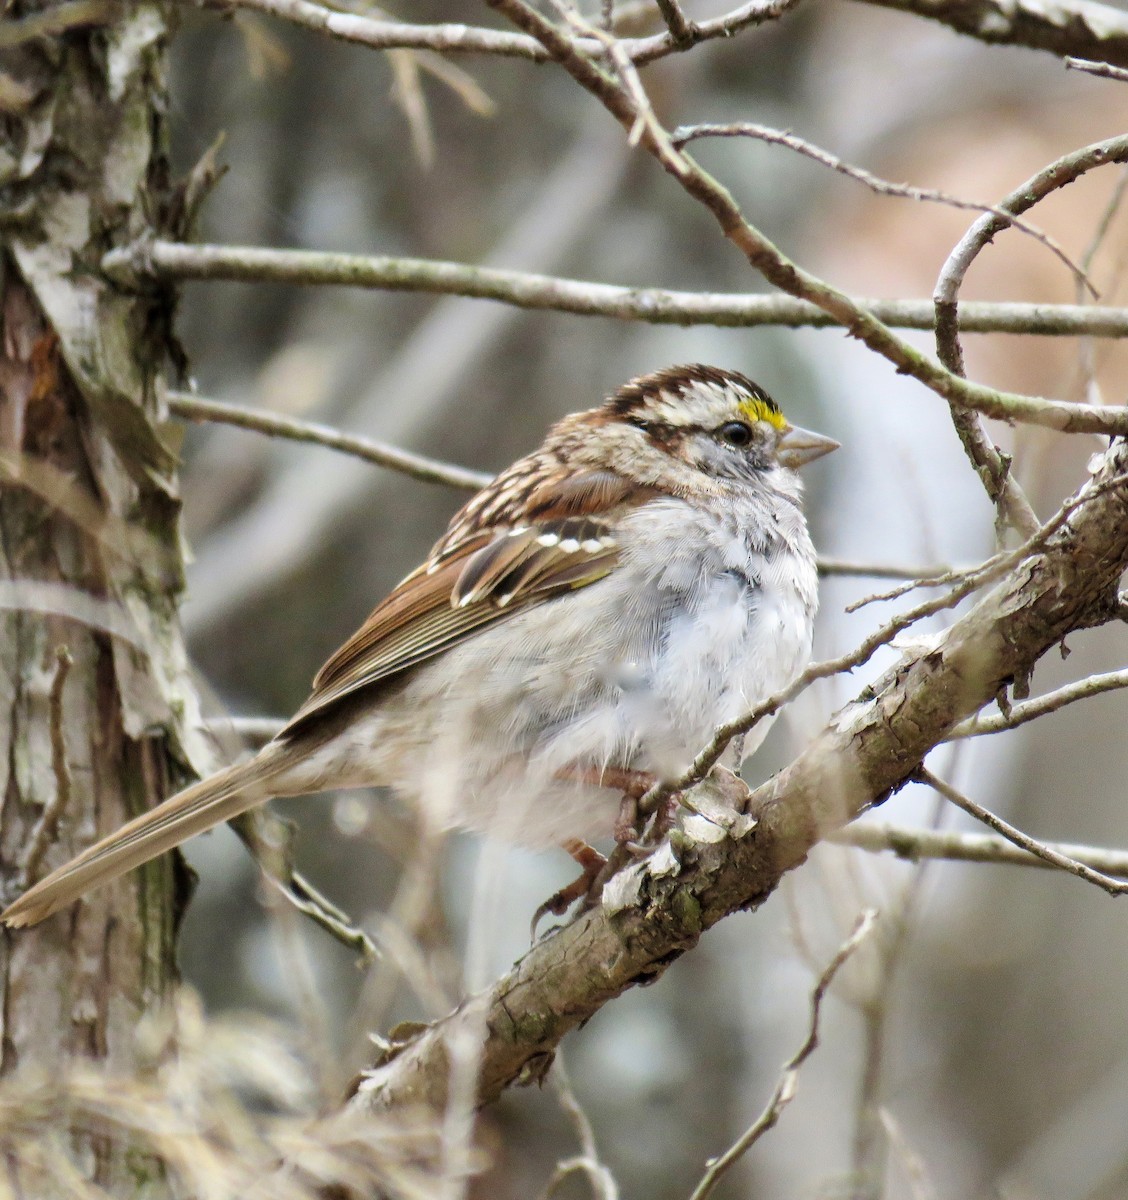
(586, 622)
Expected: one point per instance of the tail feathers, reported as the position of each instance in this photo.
(199, 807)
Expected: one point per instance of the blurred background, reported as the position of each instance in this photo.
(983, 1030)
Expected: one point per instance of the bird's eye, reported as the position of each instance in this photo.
(735, 433)
(639, 423)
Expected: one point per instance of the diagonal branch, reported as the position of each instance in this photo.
(1051, 855)
(624, 100)
(788, 1081)
(191, 407)
(655, 911)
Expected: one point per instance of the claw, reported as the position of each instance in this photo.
(591, 863)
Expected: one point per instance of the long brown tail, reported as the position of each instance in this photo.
(201, 806)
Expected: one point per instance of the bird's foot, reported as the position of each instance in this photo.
(592, 865)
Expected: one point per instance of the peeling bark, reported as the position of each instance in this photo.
(94, 727)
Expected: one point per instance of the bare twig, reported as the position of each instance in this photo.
(883, 187)
(1029, 710)
(268, 839)
(637, 119)
(46, 828)
(467, 39)
(195, 408)
(1057, 174)
(1086, 349)
(940, 579)
(784, 1091)
(1114, 887)
(915, 844)
(587, 1162)
(923, 575)
(656, 306)
(1103, 69)
(254, 729)
(992, 468)
(682, 30)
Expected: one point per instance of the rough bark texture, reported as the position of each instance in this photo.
(656, 911)
(90, 723)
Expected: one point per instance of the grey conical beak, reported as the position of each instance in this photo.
(797, 447)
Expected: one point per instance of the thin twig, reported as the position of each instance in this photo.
(912, 845)
(1103, 69)
(522, 289)
(785, 1089)
(195, 408)
(883, 187)
(682, 30)
(47, 827)
(268, 839)
(1086, 348)
(1029, 710)
(940, 579)
(1113, 887)
(254, 729)
(842, 566)
(992, 467)
(619, 99)
(587, 1162)
(468, 39)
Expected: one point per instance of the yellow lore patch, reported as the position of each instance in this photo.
(760, 408)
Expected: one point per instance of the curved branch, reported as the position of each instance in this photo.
(624, 99)
(653, 912)
(992, 466)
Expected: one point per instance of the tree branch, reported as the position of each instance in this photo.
(523, 289)
(625, 100)
(1019, 714)
(991, 466)
(653, 912)
(914, 844)
(469, 39)
(788, 1081)
(1080, 27)
(195, 408)
(1049, 854)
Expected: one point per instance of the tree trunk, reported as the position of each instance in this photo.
(97, 715)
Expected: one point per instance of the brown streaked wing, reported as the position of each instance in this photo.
(532, 560)
(430, 611)
(534, 489)
(545, 536)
